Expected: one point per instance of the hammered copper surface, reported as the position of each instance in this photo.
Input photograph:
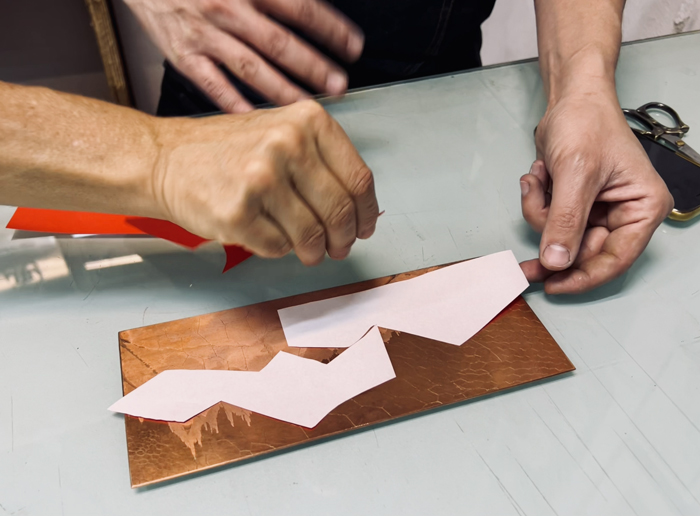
(513, 349)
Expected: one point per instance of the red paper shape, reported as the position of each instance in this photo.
(167, 231)
(234, 256)
(87, 223)
(71, 222)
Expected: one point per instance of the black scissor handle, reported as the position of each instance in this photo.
(680, 127)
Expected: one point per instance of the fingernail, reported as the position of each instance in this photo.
(355, 44)
(556, 255)
(336, 83)
(524, 187)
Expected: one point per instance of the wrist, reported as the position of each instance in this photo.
(129, 169)
(586, 74)
(172, 144)
(149, 182)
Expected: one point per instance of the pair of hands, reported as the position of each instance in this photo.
(300, 184)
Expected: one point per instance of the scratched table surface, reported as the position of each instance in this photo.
(619, 436)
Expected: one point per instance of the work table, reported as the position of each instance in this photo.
(619, 436)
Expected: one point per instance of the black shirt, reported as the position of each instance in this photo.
(404, 39)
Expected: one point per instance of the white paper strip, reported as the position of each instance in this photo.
(449, 305)
(290, 388)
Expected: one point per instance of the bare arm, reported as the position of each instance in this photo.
(271, 180)
(68, 152)
(579, 43)
(592, 193)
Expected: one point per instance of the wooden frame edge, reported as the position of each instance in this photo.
(110, 51)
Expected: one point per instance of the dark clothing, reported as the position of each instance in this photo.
(404, 39)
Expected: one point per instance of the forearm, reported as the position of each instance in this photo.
(579, 43)
(62, 151)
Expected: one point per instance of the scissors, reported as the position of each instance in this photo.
(669, 136)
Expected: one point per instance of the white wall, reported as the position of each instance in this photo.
(508, 35)
(144, 62)
(510, 32)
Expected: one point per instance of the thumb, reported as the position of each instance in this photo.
(572, 199)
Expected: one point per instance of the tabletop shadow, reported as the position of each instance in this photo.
(198, 274)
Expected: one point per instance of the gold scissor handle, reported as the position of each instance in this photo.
(679, 128)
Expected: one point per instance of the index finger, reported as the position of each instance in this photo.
(345, 163)
(320, 21)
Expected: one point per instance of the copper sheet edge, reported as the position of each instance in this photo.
(514, 349)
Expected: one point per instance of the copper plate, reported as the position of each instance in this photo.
(515, 348)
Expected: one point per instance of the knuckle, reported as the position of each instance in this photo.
(361, 181)
(285, 137)
(246, 67)
(305, 11)
(260, 177)
(276, 247)
(312, 236)
(230, 220)
(342, 215)
(193, 34)
(310, 110)
(581, 163)
(184, 50)
(214, 7)
(181, 55)
(566, 221)
(580, 282)
(661, 205)
(277, 43)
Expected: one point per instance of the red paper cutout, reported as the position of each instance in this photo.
(71, 222)
(86, 223)
(167, 231)
(234, 256)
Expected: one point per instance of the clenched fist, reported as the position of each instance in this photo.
(270, 180)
